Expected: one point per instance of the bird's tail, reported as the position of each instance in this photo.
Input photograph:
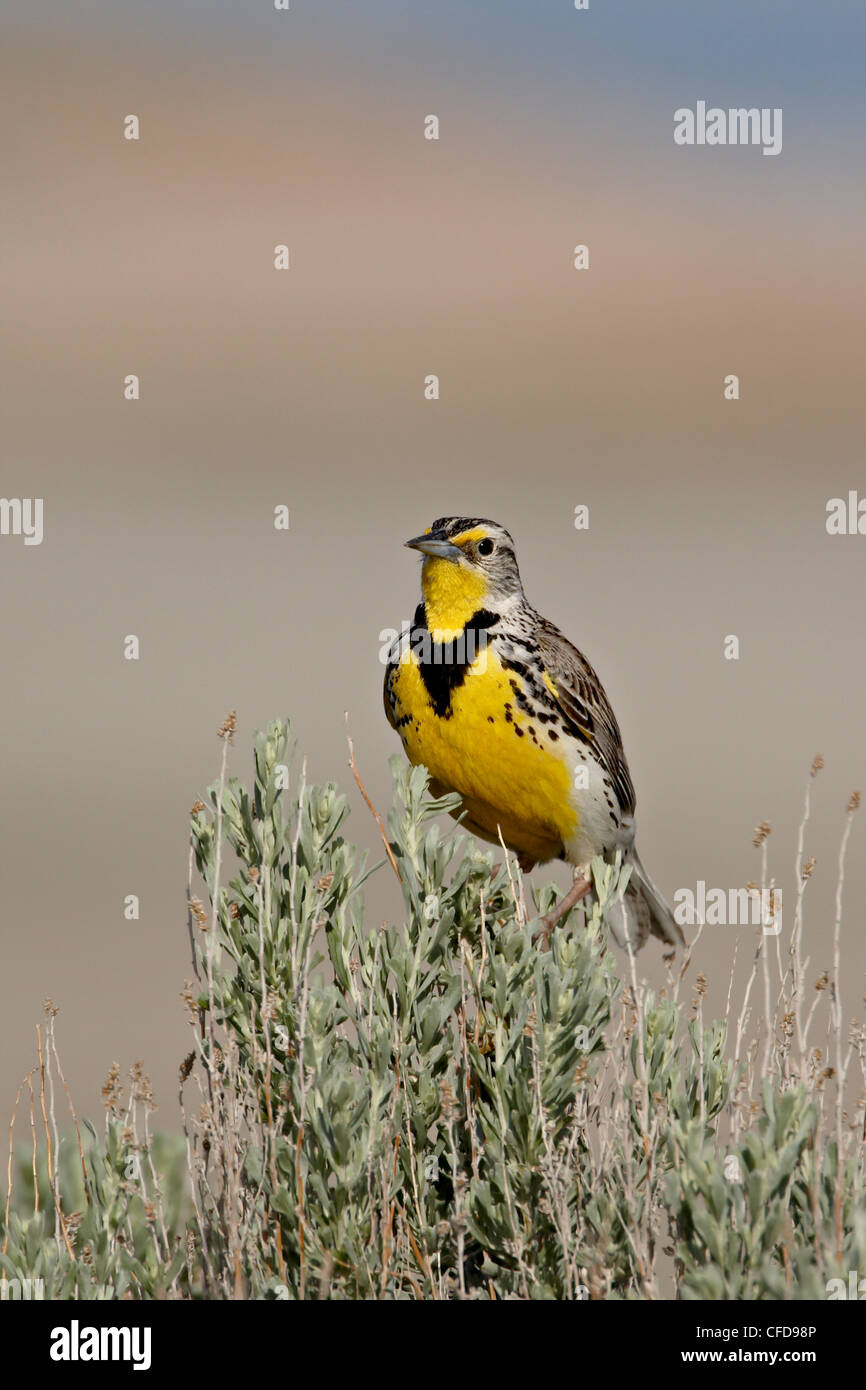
(644, 912)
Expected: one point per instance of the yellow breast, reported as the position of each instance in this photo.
(509, 772)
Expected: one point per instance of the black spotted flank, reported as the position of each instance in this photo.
(443, 665)
(583, 731)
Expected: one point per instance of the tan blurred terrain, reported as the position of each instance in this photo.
(306, 388)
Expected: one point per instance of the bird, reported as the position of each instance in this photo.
(503, 710)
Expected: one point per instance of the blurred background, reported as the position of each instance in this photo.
(558, 388)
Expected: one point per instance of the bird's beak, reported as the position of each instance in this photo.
(440, 548)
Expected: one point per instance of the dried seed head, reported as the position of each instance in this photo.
(112, 1090)
(228, 727)
(823, 981)
(190, 1000)
(196, 807)
(196, 907)
(141, 1087)
(854, 803)
(186, 1067)
(808, 868)
(253, 874)
(817, 764)
(761, 833)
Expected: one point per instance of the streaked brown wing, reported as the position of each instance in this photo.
(580, 695)
(386, 697)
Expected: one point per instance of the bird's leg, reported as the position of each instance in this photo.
(579, 889)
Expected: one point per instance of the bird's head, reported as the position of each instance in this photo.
(469, 564)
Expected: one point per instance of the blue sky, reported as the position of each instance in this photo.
(762, 51)
(618, 59)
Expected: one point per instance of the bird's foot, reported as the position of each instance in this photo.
(579, 889)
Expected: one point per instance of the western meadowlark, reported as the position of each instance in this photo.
(500, 707)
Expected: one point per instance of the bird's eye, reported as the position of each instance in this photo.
(485, 547)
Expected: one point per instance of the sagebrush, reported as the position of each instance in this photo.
(435, 1107)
